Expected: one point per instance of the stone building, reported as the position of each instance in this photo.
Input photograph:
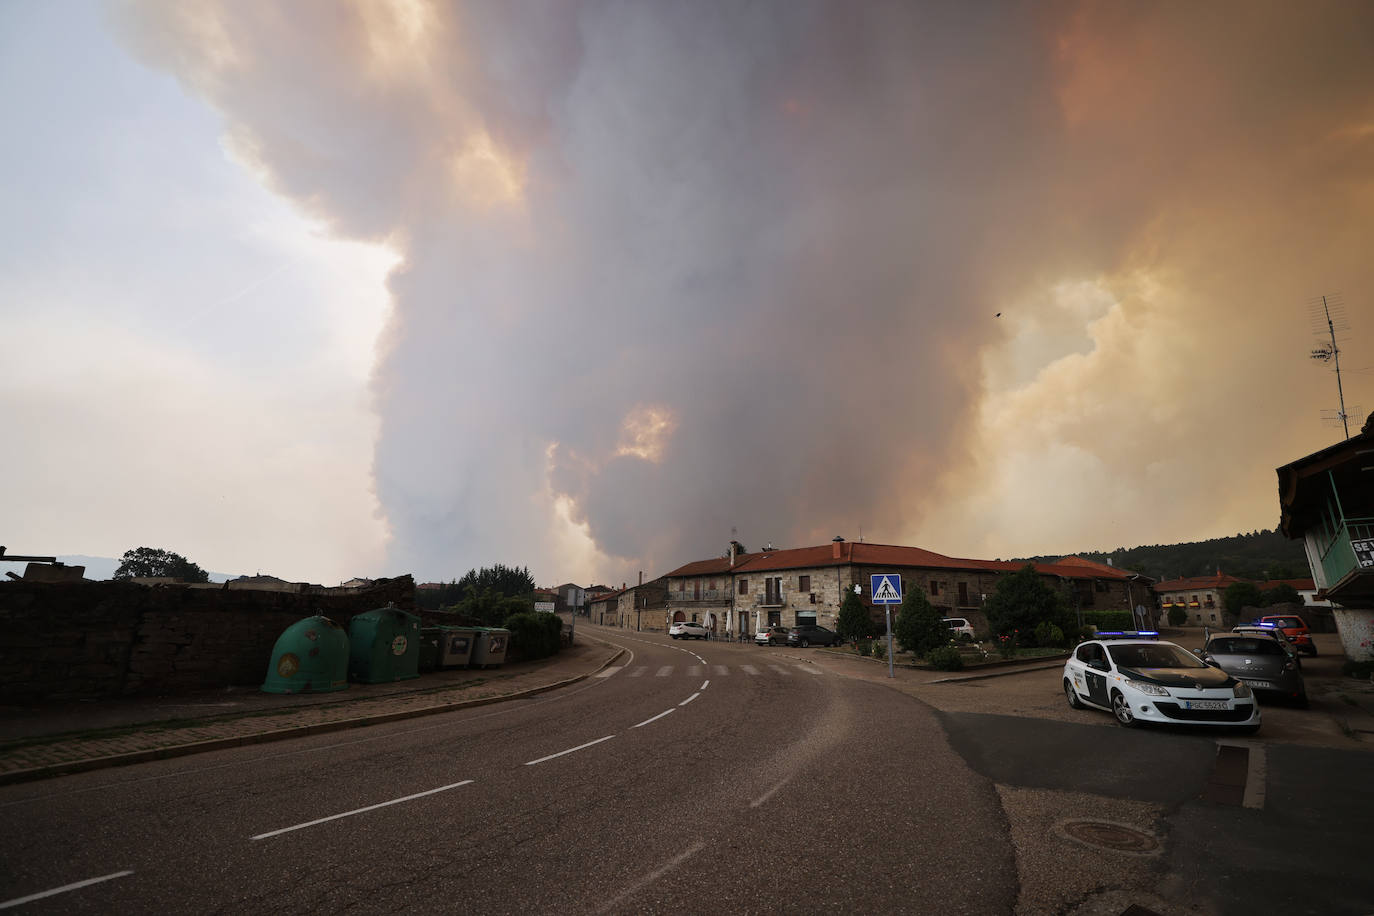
(738, 593)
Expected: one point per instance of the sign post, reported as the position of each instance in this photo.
(887, 591)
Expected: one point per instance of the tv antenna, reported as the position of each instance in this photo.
(1328, 317)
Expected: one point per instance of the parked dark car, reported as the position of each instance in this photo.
(1259, 660)
(808, 634)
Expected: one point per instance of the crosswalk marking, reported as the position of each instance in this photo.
(720, 669)
(781, 670)
(749, 669)
(694, 671)
(664, 671)
(708, 670)
(639, 672)
(609, 671)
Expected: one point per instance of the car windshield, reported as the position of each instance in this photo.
(1256, 645)
(1153, 655)
(1287, 621)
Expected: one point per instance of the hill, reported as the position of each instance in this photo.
(1258, 555)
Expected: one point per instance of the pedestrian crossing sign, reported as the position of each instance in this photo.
(887, 589)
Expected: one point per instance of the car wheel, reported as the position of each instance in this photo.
(1122, 711)
(674, 635)
(1072, 695)
(805, 644)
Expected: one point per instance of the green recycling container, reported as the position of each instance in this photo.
(429, 648)
(310, 656)
(384, 646)
(455, 646)
(490, 646)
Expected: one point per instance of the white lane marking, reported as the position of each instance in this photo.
(749, 669)
(335, 817)
(720, 670)
(769, 794)
(664, 671)
(694, 671)
(810, 670)
(689, 699)
(17, 901)
(704, 685)
(781, 670)
(609, 671)
(1256, 772)
(651, 877)
(639, 672)
(530, 763)
(654, 718)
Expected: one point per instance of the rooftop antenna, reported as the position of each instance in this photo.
(1328, 317)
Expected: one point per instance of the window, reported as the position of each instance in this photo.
(963, 594)
(712, 586)
(772, 590)
(681, 585)
(744, 586)
(1101, 586)
(934, 589)
(803, 583)
(696, 589)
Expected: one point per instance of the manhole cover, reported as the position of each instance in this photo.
(1106, 835)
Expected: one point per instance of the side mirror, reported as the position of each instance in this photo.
(1200, 653)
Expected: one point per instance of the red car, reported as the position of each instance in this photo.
(1294, 628)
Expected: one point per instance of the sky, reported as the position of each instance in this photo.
(330, 289)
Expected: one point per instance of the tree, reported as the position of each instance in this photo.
(154, 562)
(1283, 593)
(1023, 600)
(1177, 616)
(919, 628)
(854, 622)
(508, 581)
(491, 608)
(1241, 595)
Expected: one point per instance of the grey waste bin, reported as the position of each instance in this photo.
(489, 648)
(455, 646)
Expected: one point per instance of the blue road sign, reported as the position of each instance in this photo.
(886, 589)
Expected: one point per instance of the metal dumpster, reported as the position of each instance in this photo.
(310, 656)
(384, 646)
(489, 648)
(455, 646)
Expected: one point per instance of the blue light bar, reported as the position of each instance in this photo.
(1129, 634)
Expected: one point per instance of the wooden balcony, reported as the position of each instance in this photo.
(1348, 561)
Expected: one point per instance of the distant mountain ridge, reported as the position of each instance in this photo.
(1259, 555)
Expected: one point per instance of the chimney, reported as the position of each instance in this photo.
(641, 577)
(836, 551)
(732, 554)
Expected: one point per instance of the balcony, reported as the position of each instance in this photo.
(1348, 561)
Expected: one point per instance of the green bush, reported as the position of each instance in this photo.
(1006, 644)
(1109, 620)
(534, 635)
(1048, 635)
(854, 622)
(880, 648)
(919, 628)
(1177, 616)
(864, 647)
(945, 658)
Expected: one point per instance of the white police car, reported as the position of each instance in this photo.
(1139, 679)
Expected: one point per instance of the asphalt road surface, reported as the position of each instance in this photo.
(701, 777)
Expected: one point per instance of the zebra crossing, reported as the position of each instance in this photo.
(696, 671)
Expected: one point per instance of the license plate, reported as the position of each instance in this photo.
(1204, 704)
(1263, 685)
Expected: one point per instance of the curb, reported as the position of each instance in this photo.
(989, 674)
(281, 734)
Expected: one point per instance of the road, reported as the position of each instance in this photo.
(691, 777)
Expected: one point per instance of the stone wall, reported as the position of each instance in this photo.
(101, 639)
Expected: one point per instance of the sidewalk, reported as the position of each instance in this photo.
(52, 739)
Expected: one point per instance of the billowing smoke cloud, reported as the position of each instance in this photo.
(673, 268)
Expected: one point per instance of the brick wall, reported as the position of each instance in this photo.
(101, 639)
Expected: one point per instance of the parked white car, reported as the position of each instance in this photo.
(1142, 679)
(958, 626)
(687, 629)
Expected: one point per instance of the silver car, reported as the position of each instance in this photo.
(1260, 660)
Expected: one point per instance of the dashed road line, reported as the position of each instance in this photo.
(19, 901)
(335, 817)
(654, 718)
(690, 699)
(530, 763)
